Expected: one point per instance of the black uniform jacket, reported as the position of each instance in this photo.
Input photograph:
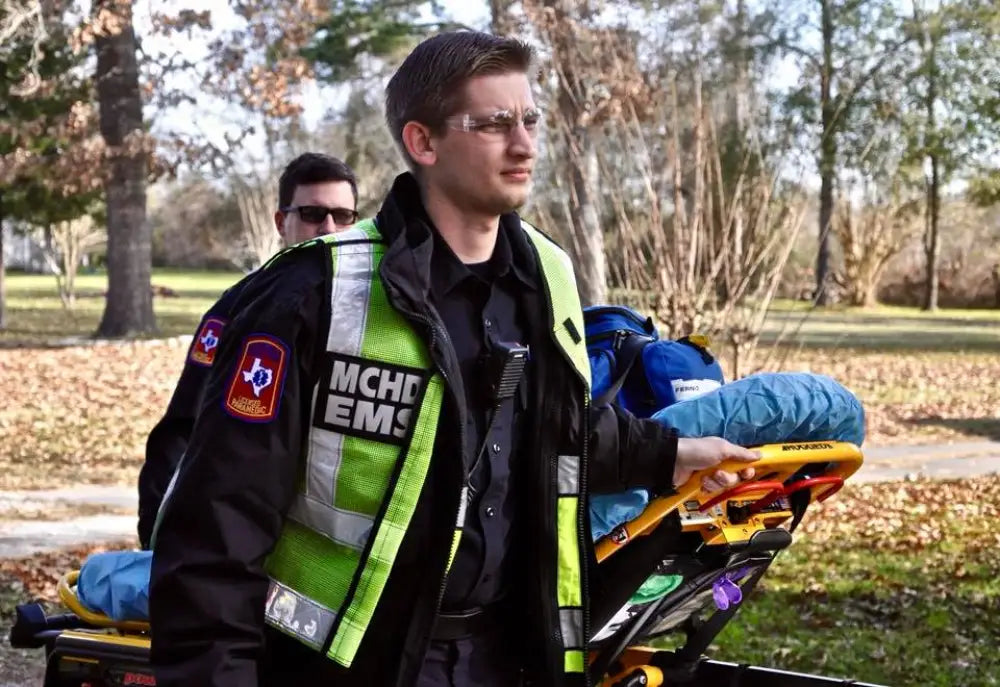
(167, 442)
(238, 479)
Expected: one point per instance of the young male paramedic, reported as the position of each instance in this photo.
(387, 482)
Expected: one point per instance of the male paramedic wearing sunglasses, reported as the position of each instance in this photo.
(387, 483)
(317, 195)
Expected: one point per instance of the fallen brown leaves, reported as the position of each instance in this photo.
(82, 414)
(904, 541)
(916, 398)
(910, 516)
(38, 576)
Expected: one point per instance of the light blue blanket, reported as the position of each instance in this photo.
(116, 583)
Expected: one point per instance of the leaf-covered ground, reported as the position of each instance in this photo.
(914, 397)
(81, 414)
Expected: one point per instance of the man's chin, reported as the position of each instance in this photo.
(507, 200)
(517, 199)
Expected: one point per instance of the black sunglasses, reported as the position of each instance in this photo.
(315, 214)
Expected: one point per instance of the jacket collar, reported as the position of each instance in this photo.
(409, 233)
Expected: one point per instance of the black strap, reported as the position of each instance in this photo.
(471, 491)
(799, 503)
(627, 351)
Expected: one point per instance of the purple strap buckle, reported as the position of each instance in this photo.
(725, 591)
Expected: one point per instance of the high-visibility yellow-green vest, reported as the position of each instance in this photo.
(375, 417)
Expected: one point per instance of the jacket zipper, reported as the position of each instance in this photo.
(392, 294)
(461, 412)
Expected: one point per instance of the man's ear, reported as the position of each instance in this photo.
(419, 144)
(279, 223)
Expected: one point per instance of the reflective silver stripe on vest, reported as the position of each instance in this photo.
(342, 526)
(293, 613)
(571, 624)
(568, 477)
(463, 504)
(349, 294)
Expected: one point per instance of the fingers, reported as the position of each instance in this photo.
(739, 453)
(719, 480)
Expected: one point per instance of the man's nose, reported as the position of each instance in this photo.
(327, 226)
(522, 142)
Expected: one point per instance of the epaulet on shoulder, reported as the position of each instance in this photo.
(289, 254)
(364, 231)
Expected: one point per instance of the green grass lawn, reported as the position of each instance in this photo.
(979, 314)
(883, 328)
(35, 315)
(887, 618)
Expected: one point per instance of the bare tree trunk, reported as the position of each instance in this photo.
(828, 159)
(128, 309)
(996, 284)
(586, 224)
(257, 213)
(932, 241)
(51, 255)
(3, 273)
(740, 116)
(581, 162)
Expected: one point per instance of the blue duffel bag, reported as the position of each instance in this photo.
(631, 365)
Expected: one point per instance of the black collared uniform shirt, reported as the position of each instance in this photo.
(479, 306)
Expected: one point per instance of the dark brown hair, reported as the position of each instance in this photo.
(313, 168)
(428, 85)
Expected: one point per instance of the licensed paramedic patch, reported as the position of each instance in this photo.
(255, 388)
(206, 341)
(368, 398)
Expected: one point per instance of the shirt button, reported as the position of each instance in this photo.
(490, 511)
(496, 448)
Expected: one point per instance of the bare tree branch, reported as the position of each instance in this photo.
(23, 20)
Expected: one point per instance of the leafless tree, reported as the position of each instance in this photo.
(66, 244)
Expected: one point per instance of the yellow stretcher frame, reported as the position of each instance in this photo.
(777, 463)
(67, 594)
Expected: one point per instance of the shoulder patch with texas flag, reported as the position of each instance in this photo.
(206, 341)
(255, 388)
